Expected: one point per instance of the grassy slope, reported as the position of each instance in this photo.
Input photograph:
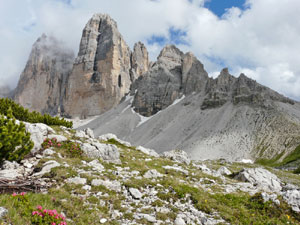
(236, 208)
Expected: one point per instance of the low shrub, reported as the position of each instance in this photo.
(22, 114)
(15, 142)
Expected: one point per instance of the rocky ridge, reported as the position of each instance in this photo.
(140, 188)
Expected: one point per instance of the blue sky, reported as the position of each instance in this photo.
(219, 7)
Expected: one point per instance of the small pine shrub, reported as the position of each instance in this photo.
(15, 142)
(22, 114)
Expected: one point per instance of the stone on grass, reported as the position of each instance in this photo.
(148, 151)
(3, 212)
(179, 221)
(96, 165)
(59, 138)
(261, 178)
(110, 185)
(76, 180)
(47, 167)
(152, 174)
(178, 156)
(135, 193)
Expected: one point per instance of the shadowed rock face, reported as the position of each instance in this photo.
(173, 75)
(42, 83)
(101, 73)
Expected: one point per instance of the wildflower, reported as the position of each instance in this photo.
(14, 194)
(288, 217)
(39, 207)
(22, 193)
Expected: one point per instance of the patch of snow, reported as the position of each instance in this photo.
(248, 161)
(178, 100)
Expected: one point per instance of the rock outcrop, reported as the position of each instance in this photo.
(139, 61)
(42, 83)
(102, 72)
(173, 75)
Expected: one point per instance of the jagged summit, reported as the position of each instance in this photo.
(41, 85)
(104, 69)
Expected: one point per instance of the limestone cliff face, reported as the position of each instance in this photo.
(101, 73)
(173, 75)
(139, 61)
(42, 82)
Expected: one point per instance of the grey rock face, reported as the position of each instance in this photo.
(101, 73)
(261, 178)
(139, 61)
(173, 75)
(42, 83)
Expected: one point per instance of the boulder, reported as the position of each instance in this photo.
(135, 193)
(106, 152)
(224, 171)
(178, 156)
(3, 212)
(152, 174)
(148, 151)
(261, 178)
(47, 168)
(59, 138)
(292, 197)
(96, 165)
(76, 180)
(39, 132)
(110, 185)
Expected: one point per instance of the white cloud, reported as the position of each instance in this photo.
(262, 41)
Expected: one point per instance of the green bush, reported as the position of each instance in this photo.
(22, 114)
(15, 142)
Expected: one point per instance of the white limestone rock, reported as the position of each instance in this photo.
(178, 156)
(261, 178)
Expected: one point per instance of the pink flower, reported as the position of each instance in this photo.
(14, 194)
(34, 212)
(58, 145)
(39, 207)
(53, 223)
(22, 193)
